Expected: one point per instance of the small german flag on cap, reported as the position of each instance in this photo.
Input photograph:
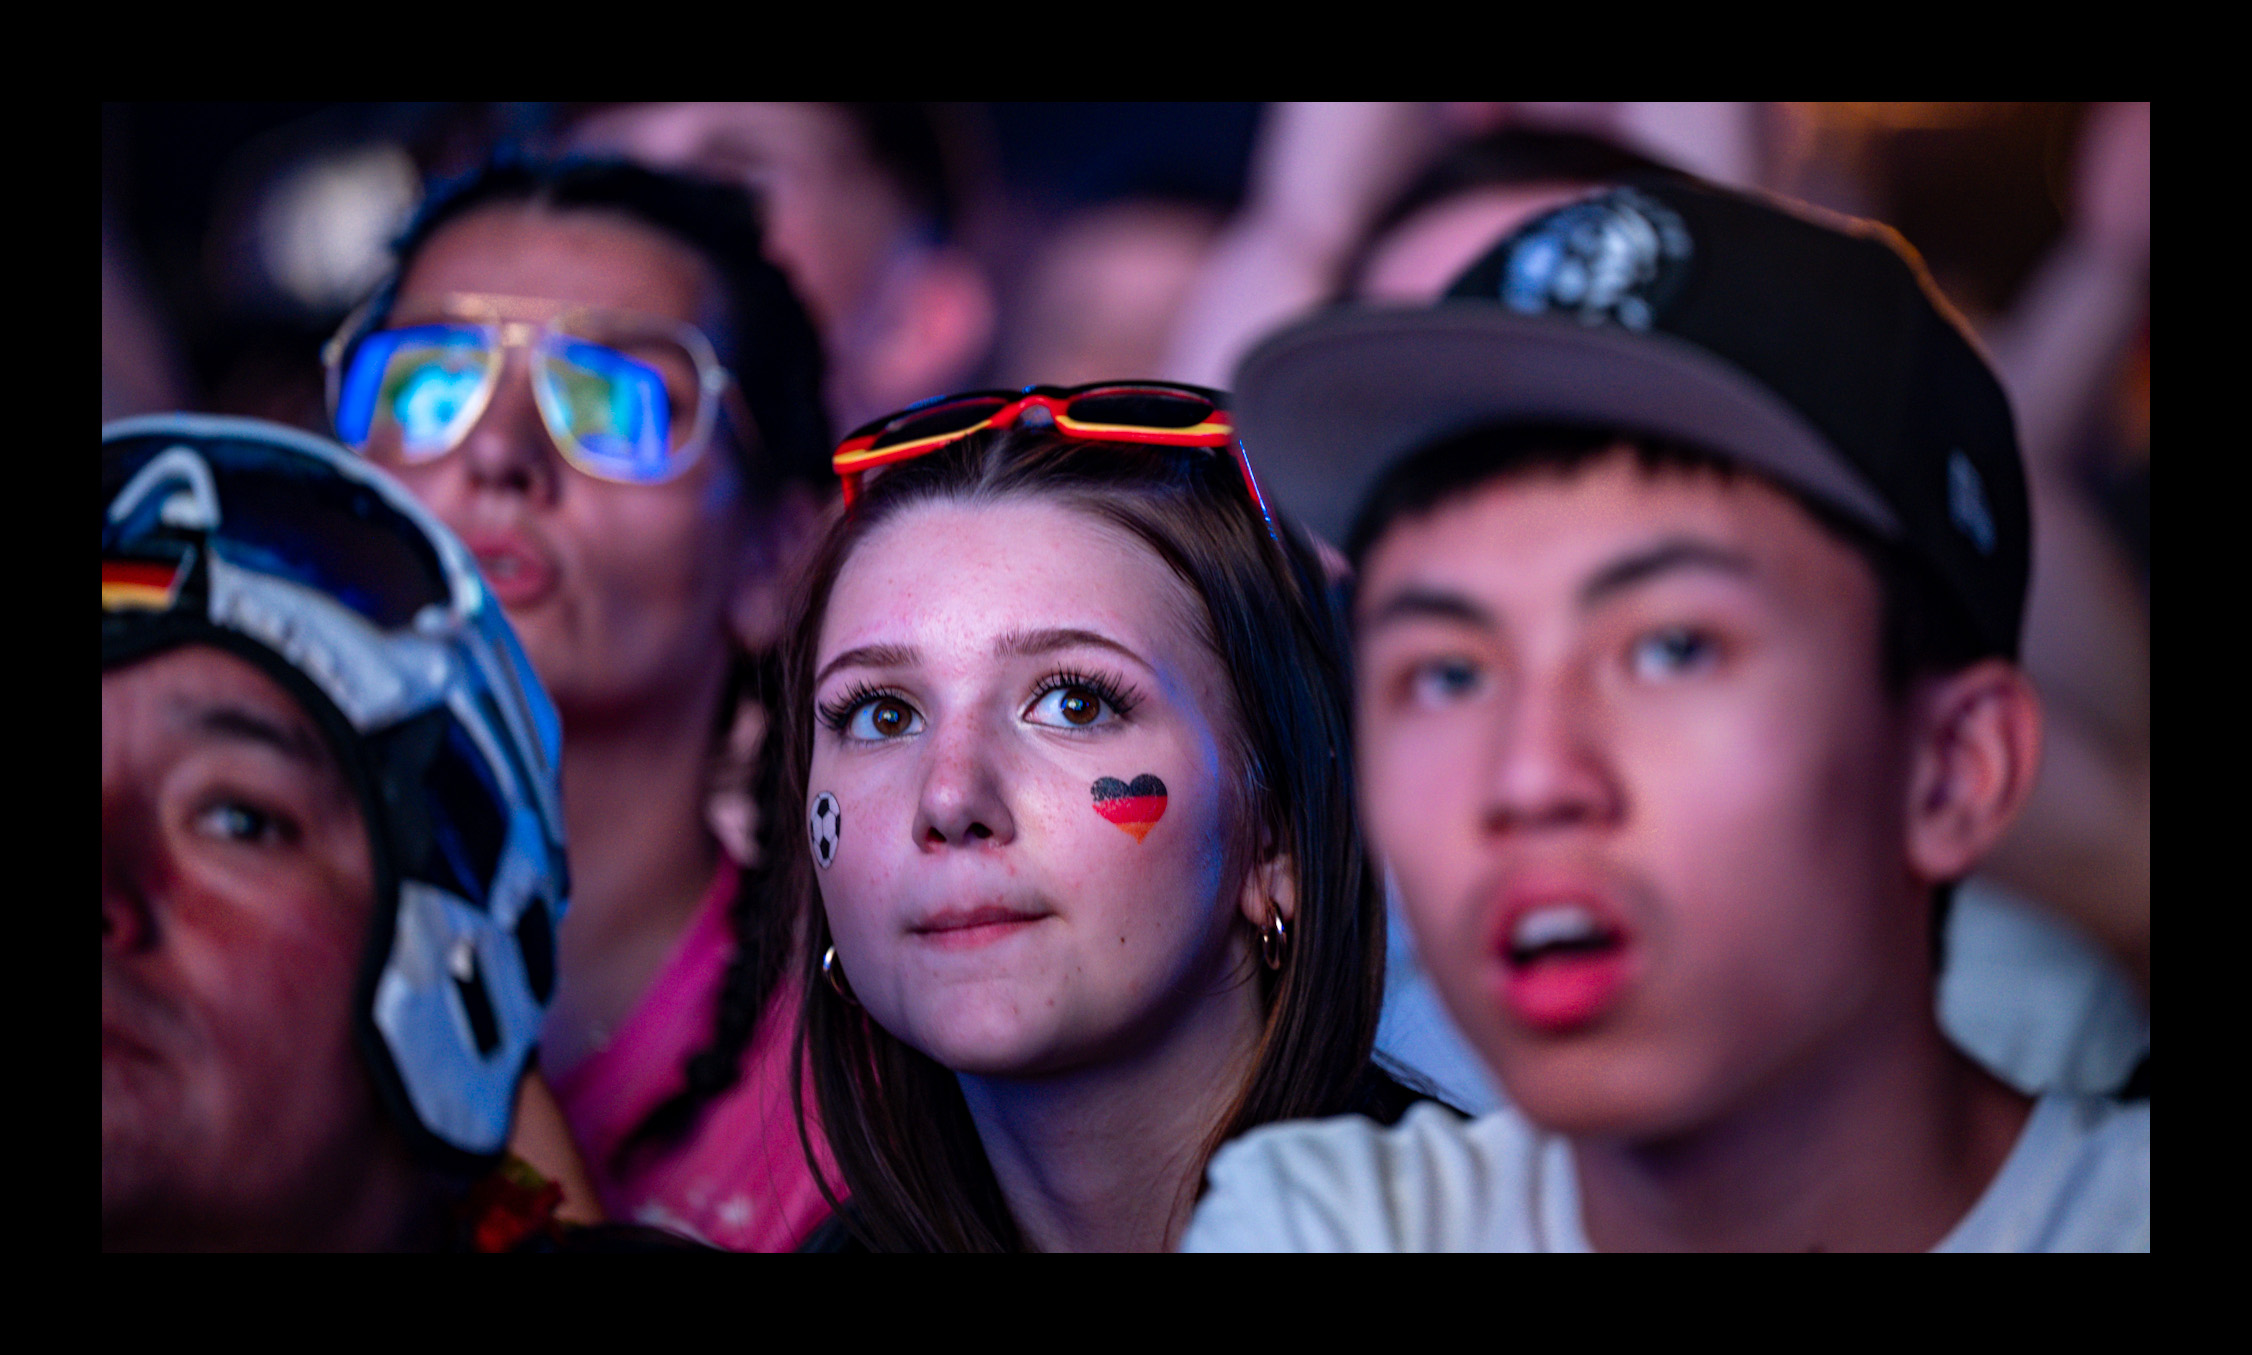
(141, 585)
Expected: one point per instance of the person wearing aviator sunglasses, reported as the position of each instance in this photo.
(587, 370)
(1067, 712)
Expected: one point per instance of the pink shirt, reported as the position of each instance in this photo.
(741, 1181)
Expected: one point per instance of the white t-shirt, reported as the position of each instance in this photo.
(2078, 1180)
(2034, 999)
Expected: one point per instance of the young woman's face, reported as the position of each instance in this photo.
(1024, 791)
(621, 593)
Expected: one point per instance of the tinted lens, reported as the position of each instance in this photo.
(937, 422)
(417, 391)
(1129, 408)
(280, 515)
(610, 409)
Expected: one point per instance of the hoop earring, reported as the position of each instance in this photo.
(834, 973)
(1274, 937)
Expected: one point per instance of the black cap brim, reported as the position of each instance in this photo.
(1327, 405)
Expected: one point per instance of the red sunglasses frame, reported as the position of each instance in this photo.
(858, 454)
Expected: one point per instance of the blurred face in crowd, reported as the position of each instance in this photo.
(901, 318)
(622, 593)
(1625, 752)
(1415, 260)
(237, 888)
(831, 214)
(1105, 292)
(1028, 740)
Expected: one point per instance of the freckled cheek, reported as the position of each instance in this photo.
(875, 854)
(1144, 852)
(1166, 885)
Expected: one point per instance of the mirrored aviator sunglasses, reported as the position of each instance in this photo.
(626, 399)
(1146, 412)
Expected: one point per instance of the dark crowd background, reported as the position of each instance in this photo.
(235, 236)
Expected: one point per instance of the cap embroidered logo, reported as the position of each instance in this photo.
(1613, 258)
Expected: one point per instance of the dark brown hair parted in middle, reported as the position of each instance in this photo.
(912, 1165)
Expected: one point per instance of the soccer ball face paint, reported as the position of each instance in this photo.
(825, 825)
(989, 674)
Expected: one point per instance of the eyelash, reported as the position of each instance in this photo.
(835, 715)
(1114, 692)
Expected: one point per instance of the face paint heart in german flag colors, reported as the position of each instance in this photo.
(1136, 807)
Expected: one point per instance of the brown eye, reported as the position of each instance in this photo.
(1071, 707)
(879, 718)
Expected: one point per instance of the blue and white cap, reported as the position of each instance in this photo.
(293, 553)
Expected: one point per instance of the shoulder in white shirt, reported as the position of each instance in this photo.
(2077, 1180)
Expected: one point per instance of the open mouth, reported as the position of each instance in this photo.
(512, 569)
(1560, 931)
(1564, 965)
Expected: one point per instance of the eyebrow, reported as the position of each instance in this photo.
(869, 656)
(1428, 604)
(1665, 557)
(1438, 604)
(236, 724)
(1015, 644)
(1023, 643)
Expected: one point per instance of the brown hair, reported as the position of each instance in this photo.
(896, 1121)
